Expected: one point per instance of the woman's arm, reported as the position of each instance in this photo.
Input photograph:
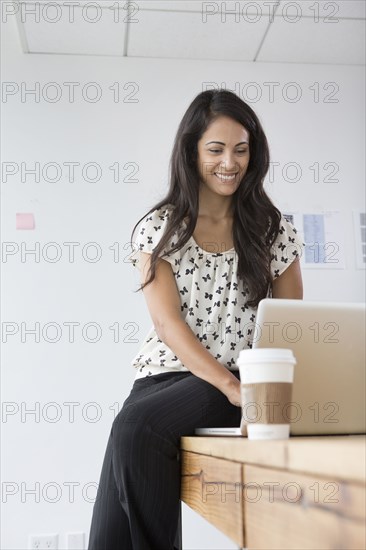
(163, 301)
(289, 283)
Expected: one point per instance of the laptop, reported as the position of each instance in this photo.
(328, 341)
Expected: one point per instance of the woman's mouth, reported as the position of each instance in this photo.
(227, 178)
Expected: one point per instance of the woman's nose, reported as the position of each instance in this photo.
(228, 163)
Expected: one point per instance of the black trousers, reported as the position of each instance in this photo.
(137, 505)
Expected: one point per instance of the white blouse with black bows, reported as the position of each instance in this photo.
(213, 298)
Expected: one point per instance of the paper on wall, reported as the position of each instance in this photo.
(359, 224)
(322, 233)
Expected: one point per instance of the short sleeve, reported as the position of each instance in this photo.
(286, 248)
(148, 234)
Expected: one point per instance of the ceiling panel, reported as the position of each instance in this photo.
(102, 3)
(323, 9)
(167, 5)
(308, 42)
(74, 32)
(201, 5)
(185, 35)
(307, 8)
(341, 8)
(178, 29)
(170, 5)
(344, 8)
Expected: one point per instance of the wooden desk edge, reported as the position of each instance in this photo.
(340, 456)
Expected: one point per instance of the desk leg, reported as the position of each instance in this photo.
(178, 536)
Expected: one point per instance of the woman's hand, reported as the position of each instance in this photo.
(233, 393)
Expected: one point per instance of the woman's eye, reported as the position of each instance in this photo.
(219, 151)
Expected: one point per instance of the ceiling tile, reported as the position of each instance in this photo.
(201, 5)
(308, 42)
(187, 36)
(170, 5)
(73, 31)
(180, 29)
(339, 8)
(323, 9)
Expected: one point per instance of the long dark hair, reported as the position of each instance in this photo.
(256, 220)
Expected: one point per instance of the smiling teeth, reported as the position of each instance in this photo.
(225, 177)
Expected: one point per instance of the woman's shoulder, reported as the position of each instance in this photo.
(287, 230)
(159, 216)
(287, 246)
(163, 211)
(151, 229)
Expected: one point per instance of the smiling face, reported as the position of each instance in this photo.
(223, 150)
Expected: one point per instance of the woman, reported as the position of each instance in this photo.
(208, 253)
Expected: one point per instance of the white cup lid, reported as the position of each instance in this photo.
(259, 355)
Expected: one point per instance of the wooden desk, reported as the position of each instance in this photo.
(299, 493)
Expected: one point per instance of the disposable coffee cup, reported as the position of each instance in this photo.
(266, 380)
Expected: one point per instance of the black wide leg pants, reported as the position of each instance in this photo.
(137, 504)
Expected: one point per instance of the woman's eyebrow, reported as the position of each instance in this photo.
(221, 143)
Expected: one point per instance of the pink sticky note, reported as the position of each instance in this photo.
(24, 221)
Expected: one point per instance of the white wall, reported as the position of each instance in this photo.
(105, 132)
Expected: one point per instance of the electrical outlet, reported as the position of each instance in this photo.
(43, 542)
(75, 541)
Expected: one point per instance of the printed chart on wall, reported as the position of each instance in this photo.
(359, 221)
(322, 233)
